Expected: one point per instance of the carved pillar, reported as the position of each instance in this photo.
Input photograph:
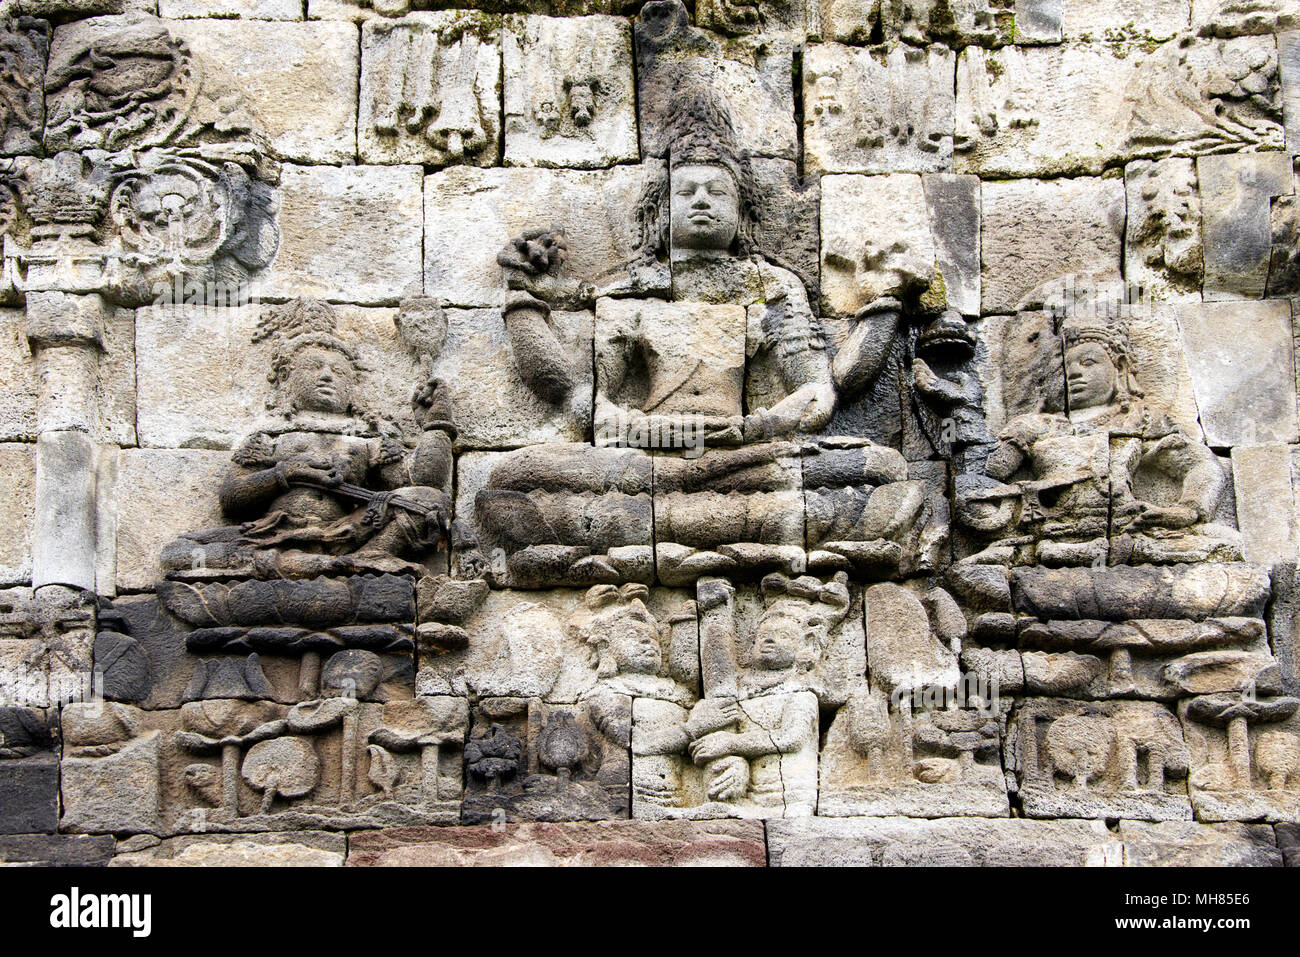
(66, 335)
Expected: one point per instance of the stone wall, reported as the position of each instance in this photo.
(737, 432)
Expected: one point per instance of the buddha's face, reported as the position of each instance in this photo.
(704, 212)
(776, 643)
(322, 380)
(1090, 375)
(632, 638)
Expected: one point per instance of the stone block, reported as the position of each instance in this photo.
(18, 401)
(244, 9)
(576, 844)
(1237, 192)
(56, 850)
(430, 90)
(1044, 233)
(288, 849)
(906, 842)
(297, 80)
(1262, 479)
(165, 492)
(1141, 20)
(348, 233)
(1242, 368)
(472, 214)
(494, 407)
(17, 511)
(30, 791)
(570, 99)
(1187, 844)
(1162, 236)
(878, 111)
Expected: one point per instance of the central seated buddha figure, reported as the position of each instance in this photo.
(711, 379)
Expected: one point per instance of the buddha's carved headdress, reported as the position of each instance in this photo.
(699, 132)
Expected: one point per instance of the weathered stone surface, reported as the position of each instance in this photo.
(26, 42)
(903, 842)
(876, 239)
(1037, 232)
(1224, 18)
(30, 791)
(247, 9)
(350, 233)
(1240, 358)
(171, 491)
(471, 214)
(868, 111)
(1288, 841)
(18, 402)
(570, 99)
(430, 90)
(1162, 236)
(1184, 844)
(297, 79)
(17, 511)
(1288, 56)
(47, 850)
(1262, 479)
(954, 205)
(753, 73)
(1236, 198)
(289, 849)
(1245, 756)
(604, 843)
(1141, 20)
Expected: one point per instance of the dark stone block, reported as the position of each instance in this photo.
(29, 795)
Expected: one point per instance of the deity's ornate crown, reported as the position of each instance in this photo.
(701, 131)
(297, 325)
(1107, 333)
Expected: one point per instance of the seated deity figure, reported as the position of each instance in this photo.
(684, 335)
(1113, 480)
(323, 487)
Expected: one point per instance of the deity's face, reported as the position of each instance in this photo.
(631, 636)
(322, 380)
(1090, 376)
(777, 641)
(704, 212)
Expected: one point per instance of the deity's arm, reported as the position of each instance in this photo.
(793, 731)
(863, 354)
(1193, 466)
(800, 348)
(539, 355)
(253, 479)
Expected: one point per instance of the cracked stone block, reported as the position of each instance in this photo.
(348, 233)
(17, 511)
(1236, 201)
(788, 227)
(907, 842)
(1240, 358)
(870, 111)
(576, 844)
(1041, 232)
(570, 99)
(1187, 844)
(876, 239)
(171, 491)
(1160, 367)
(289, 849)
(298, 80)
(471, 214)
(203, 381)
(430, 90)
(1262, 479)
